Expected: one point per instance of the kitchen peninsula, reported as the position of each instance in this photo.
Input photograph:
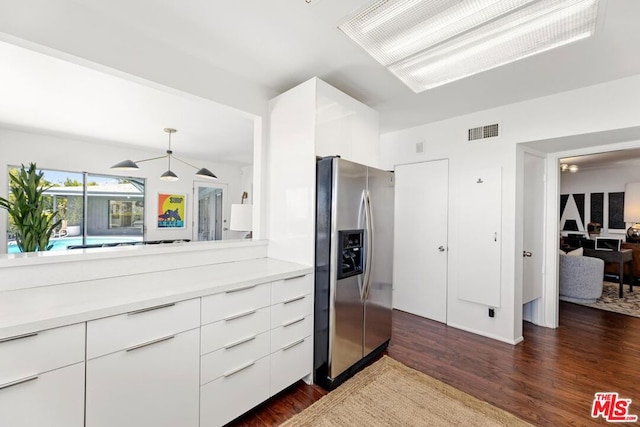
(154, 334)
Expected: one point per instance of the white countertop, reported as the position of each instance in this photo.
(28, 310)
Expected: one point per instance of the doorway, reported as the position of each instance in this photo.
(209, 211)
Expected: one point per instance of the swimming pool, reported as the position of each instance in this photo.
(60, 244)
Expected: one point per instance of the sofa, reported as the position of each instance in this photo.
(580, 278)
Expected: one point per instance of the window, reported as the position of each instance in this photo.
(94, 209)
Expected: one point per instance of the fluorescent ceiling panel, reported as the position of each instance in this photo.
(428, 43)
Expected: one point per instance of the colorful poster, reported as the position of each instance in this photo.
(171, 210)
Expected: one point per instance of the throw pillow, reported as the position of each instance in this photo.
(562, 252)
(576, 252)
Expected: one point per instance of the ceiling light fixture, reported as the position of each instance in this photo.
(169, 175)
(428, 43)
(568, 168)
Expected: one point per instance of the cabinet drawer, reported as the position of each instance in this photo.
(291, 332)
(115, 333)
(286, 289)
(226, 360)
(31, 354)
(53, 399)
(290, 364)
(290, 310)
(229, 397)
(155, 385)
(225, 332)
(219, 306)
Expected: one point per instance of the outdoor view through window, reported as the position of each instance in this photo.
(95, 209)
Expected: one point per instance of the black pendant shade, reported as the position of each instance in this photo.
(169, 175)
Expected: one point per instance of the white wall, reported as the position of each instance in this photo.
(605, 180)
(608, 106)
(58, 153)
(59, 26)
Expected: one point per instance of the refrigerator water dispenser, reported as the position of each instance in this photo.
(350, 250)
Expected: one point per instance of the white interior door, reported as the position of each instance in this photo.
(210, 211)
(533, 227)
(420, 239)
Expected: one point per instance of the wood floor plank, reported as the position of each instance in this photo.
(549, 379)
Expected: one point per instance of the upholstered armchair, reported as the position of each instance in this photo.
(580, 278)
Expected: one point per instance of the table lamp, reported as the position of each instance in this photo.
(632, 210)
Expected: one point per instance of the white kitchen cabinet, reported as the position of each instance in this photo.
(346, 127)
(154, 381)
(291, 331)
(52, 399)
(235, 353)
(479, 246)
(42, 378)
(258, 341)
(233, 394)
(310, 120)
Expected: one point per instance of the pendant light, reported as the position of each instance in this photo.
(169, 175)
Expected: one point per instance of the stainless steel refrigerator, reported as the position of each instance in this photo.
(353, 281)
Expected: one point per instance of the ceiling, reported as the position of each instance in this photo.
(608, 160)
(273, 45)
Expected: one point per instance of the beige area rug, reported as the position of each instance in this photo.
(389, 393)
(629, 304)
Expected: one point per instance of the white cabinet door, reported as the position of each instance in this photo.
(420, 239)
(478, 236)
(151, 385)
(52, 399)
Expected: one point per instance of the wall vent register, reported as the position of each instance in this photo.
(483, 132)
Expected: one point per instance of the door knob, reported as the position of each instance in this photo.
(527, 254)
(441, 248)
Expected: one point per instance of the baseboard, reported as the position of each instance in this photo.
(487, 335)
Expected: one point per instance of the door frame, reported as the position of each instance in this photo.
(550, 308)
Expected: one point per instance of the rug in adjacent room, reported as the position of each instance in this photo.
(629, 304)
(389, 393)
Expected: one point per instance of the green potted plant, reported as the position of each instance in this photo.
(33, 224)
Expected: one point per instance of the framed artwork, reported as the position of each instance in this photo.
(172, 210)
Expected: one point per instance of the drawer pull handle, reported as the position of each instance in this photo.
(295, 299)
(238, 316)
(147, 344)
(292, 322)
(293, 344)
(18, 337)
(295, 277)
(241, 368)
(144, 310)
(240, 289)
(22, 381)
(237, 343)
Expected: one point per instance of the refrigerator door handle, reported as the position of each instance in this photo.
(362, 221)
(369, 239)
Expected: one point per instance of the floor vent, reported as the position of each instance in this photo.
(483, 132)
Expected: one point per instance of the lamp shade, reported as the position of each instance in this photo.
(125, 165)
(241, 217)
(632, 202)
(206, 173)
(169, 176)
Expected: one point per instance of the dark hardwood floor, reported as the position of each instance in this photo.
(549, 379)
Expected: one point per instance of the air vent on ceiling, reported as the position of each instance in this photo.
(483, 132)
